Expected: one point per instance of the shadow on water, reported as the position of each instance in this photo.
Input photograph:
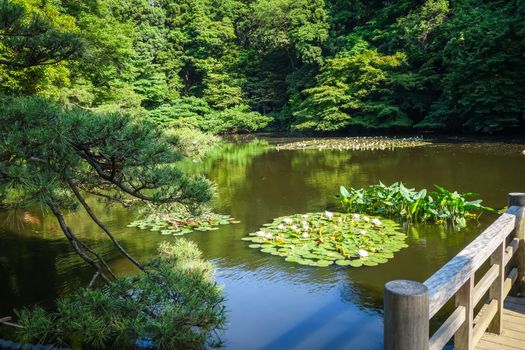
(273, 304)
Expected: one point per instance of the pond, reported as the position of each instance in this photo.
(273, 304)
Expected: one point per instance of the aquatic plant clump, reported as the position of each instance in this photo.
(396, 200)
(355, 143)
(323, 239)
(179, 224)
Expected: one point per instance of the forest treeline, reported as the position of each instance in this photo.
(301, 65)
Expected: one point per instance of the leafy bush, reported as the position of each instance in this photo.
(195, 112)
(186, 111)
(194, 143)
(174, 305)
(398, 201)
(234, 120)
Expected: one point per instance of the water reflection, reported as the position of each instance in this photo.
(273, 304)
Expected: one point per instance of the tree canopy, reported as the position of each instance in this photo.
(322, 65)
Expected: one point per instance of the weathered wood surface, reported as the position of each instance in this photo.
(445, 283)
(502, 243)
(517, 200)
(448, 329)
(406, 316)
(513, 335)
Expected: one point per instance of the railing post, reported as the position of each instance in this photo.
(406, 316)
(518, 199)
(463, 337)
(496, 289)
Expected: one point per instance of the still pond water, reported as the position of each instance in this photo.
(273, 304)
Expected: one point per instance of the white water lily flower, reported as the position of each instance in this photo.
(362, 253)
(376, 222)
(340, 219)
(366, 218)
(261, 233)
(294, 227)
(287, 220)
(269, 236)
(305, 216)
(306, 235)
(363, 232)
(280, 227)
(329, 214)
(357, 216)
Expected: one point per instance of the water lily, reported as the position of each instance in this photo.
(376, 222)
(287, 220)
(320, 239)
(329, 214)
(305, 216)
(280, 227)
(340, 219)
(366, 218)
(357, 216)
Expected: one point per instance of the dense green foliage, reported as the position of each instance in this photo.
(51, 156)
(396, 200)
(174, 305)
(234, 65)
(98, 153)
(324, 239)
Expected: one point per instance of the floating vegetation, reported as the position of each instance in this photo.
(178, 225)
(323, 239)
(396, 200)
(354, 143)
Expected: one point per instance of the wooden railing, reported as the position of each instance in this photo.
(410, 305)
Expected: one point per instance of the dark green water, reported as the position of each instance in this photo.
(273, 304)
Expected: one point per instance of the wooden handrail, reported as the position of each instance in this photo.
(406, 303)
(444, 284)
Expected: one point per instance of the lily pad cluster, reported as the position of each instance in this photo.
(178, 225)
(323, 239)
(354, 143)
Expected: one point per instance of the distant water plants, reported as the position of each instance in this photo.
(354, 143)
(324, 239)
(398, 201)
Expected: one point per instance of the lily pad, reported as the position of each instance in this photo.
(324, 239)
(178, 225)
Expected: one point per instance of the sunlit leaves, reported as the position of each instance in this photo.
(398, 201)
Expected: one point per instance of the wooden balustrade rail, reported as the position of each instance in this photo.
(409, 305)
